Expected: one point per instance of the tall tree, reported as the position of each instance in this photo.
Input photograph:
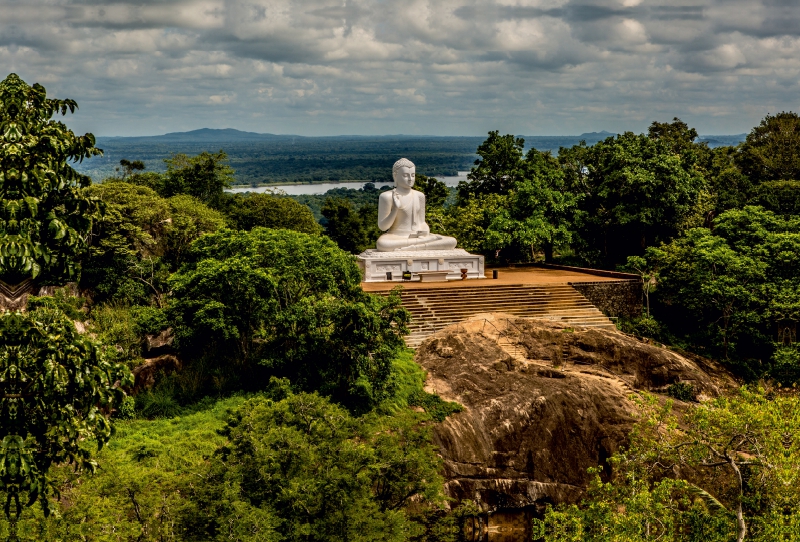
(739, 281)
(204, 176)
(635, 192)
(771, 151)
(54, 388)
(278, 302)
(497, 169)
(541, 211)
(44, 215)
(353, 229)
(436, 192)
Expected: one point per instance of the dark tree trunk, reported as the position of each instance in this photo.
(548, 253)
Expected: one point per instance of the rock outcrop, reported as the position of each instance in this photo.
(145, 374)
(543, 402)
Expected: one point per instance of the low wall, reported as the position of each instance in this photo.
(615, 298)
(587, 270)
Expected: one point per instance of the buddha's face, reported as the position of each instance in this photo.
(404, 177)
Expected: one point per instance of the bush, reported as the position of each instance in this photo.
(786, 365)
(682, 391)
(643, 326)
(158, 403)
(250, 305)
(62, 300)
(149, 320)
(436, 408)
(288, 461)
(116, 329)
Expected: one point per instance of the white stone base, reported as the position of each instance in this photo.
(375, 264)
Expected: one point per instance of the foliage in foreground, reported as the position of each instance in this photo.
(271, 466)
(57, 390)
(726, 469)
(302, 468)
(281, 303)
(44, 216)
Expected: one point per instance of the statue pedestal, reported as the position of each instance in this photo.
(374, 264)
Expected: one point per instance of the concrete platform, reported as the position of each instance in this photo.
(507, 275)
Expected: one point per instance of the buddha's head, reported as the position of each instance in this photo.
(403, 173)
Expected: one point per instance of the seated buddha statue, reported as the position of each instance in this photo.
(401, 214)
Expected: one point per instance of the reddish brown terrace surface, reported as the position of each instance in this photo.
(507, 275)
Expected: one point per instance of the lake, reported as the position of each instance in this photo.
(321, 188)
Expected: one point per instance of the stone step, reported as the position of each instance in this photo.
(435, 308)
(501, 307)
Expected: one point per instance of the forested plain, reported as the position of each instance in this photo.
(259, 159)
(199, 365)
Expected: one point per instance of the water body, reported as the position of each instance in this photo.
(321, 188)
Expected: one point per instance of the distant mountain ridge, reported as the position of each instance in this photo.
(198, 136)
(602, 134)
(232, 135)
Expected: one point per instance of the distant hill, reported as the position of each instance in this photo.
(602, 134)
(722, 140)
(212, 135)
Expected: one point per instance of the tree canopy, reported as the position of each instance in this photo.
(498, 167)
(54, 386)
(771, 151)
(247, 211)
(278, 302)
(44, 216)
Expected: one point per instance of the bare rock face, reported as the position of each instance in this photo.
(543, 402)
(159, 344)
(145, 374)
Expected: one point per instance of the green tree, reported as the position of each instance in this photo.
(540, 212)
(780, 197)
(124, 260)
(44, 215)
(725, 469)
(353, 229)
(738, 280)
(498, 168)
(56, 391)
(298, 467)
(278, 302)
(128, 167)
(731, 188)
(468, 221)
(204, 177)
(635, 192)
(436, 192)
(189, 220)
(649, 275)
(140, 239)
(771, 151)
(247, 211)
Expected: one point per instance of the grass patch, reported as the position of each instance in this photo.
(145, 475)
(410, 382)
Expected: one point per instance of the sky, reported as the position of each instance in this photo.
(432, 67)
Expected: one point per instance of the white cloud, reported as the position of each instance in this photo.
(415, 66)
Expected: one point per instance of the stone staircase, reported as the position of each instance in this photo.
(435, 308)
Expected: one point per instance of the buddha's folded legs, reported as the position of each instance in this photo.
(389, 242)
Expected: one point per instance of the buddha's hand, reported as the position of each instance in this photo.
(396, 199)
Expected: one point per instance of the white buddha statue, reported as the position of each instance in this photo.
(401, 214)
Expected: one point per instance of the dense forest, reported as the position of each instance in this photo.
(269, 159)
(196, 365)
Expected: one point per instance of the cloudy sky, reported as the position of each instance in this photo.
(442, 67)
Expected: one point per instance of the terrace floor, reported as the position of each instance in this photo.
(506, 275)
